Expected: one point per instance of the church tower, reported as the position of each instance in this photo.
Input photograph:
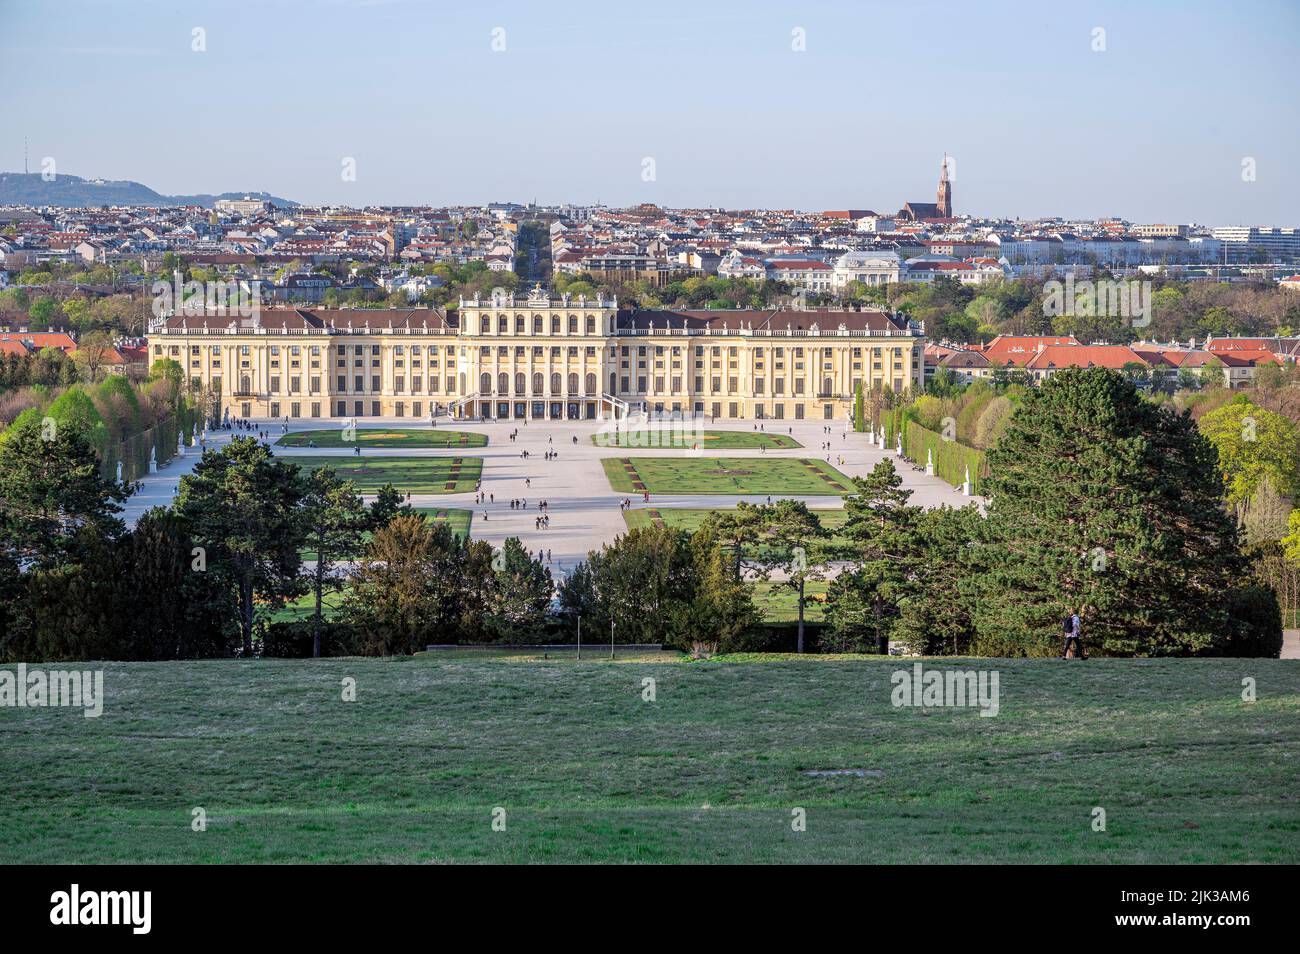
(945, 190)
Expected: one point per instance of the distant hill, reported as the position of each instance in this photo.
(17, 188)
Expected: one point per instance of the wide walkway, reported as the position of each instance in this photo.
(584, 510)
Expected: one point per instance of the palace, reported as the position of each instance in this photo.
(538, 357)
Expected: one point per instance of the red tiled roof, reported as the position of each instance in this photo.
(41, 339)
(1018, 349)
(1083, 356)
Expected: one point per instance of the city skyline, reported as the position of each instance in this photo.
(819, 108)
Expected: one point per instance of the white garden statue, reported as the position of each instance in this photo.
(965, 484)
(153, 461)
(929, 462)
(119, 471)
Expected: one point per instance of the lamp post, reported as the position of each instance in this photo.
(579, 636)
(611, 637)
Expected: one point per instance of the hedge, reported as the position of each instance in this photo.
(950, 457)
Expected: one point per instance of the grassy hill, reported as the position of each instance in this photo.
(709, 771)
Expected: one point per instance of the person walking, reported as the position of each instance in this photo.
(1071, 627)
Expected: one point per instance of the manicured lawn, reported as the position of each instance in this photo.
(688, 518)
(416, 475)
(305, 606)
(778, 476)
(708, 440)
(388, 437)
(709, 772)
(458, 518)
(779, 603)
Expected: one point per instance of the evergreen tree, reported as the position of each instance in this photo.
(935, 612)
(793, 536)
(736, 529)
(388, 503)
(1110, 505)
(174, 607)
(51, 492)
(880, 525)
(243, 509)
(519, 595)
(722, 609)
(334, 521)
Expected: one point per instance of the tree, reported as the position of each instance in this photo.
(639, 583)
(722, 609)
(243, 509)
(736, 529)
(171, 606)
(51, 493)
(167, 369)
(863, 603)
(1266, 516)
(1253, 444)
(388, 503)
(519, 593)
(792, 535)
(576, 595)
(93, 352)
(1109, 504)
(934, 611)
(1291, 542)
(408, 590)
(335, 521)
(42, 312)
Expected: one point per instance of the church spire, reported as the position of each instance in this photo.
(945, 190)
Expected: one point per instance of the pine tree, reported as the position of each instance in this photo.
(519, 593)
(863, 603)
(793, 536)
(1110, 505)
(334, 521)
(243, 509)
(51, 491)
(935, 610)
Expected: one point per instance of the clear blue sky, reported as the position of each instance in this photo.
(1154, 129)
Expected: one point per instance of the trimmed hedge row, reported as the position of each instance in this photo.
(161, 438)
(950, 458)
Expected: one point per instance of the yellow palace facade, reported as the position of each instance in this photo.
(541, 358)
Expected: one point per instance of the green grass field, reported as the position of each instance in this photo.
(687, 518)
(416, 475)
(387, 437)
(712, 440)
(778, 476)
(708, 772)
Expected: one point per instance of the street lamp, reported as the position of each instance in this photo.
(611, 637)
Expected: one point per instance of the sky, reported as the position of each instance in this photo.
(1152, 111)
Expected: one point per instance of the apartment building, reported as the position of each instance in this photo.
(541, 358)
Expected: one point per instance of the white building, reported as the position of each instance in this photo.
(867, 267)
